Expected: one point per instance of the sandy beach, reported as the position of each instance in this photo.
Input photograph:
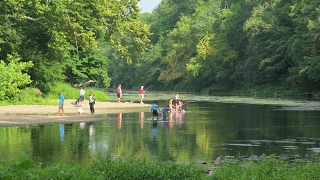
(22, 115)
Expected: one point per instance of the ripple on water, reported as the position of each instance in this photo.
(249, 145)
(290, 147)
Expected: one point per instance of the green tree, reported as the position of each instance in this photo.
(304, 45)
(269, 29)
(57, 35)
(214, 60)
(13, 77)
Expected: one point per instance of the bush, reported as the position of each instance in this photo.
(70, 92)
(12, 78)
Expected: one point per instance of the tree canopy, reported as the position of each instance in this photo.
(193, 45)
(64, 39)
(229, 45)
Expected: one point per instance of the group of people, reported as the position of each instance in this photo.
(78, 103)
(154, 107)
(169, 108)
(119, 94)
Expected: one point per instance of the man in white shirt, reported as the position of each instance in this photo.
(82, 92)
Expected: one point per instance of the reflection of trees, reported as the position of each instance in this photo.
(14, 139)
(181, 142)
(92, 143)
(207, 125)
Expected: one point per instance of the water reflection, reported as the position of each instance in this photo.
(82, 125)
(179, 117)
(119, 117)
(154, 128)
(164, 123)
(92, 144)
(170, 119)
(61, 132)
(141, 117)
(211, 130)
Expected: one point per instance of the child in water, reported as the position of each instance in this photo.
(164, 111)
(154, 110)
(180, 104)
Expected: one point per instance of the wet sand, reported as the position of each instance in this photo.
(23, 115)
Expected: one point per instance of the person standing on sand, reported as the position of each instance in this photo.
(61, 103)
(92, 100)
(141, 94)
(82, 92)
(119, 93)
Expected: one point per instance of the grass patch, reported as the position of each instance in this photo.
(70, 92)
(271, 168)
(108, 168)
(33, 96)
(104, 168)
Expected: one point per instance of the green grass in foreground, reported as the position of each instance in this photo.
(106, 168)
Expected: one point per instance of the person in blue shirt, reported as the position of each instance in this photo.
(154, 110)
(164, 111)
(61, 103)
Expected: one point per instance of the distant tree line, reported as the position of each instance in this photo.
(227, 45)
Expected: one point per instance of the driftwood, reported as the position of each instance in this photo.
(83, 83)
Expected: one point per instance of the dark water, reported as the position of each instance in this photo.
(204, 132)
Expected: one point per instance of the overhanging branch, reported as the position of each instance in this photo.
(28, 18)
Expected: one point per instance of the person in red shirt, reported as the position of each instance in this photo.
(142, 91)
(119, 93)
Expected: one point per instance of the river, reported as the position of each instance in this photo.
(205, 131)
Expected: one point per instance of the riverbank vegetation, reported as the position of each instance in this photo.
(201, 46)
(33, 96)
(107, 168)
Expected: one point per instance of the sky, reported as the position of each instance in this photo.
(148, 5)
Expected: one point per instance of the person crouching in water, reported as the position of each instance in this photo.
(154, 110)
(164, 111)
(180, 104)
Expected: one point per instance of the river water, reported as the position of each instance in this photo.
(205, 131)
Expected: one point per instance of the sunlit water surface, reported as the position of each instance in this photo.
(204, 132)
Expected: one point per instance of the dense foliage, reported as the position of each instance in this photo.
(190, 45)
(66, 40)
(225, 46)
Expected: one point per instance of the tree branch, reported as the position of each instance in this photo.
(28, 18)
